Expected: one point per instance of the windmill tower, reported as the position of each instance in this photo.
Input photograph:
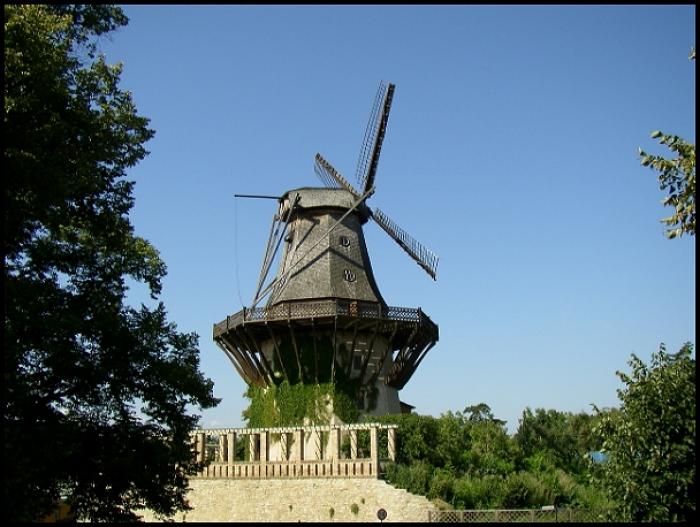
(325, 320)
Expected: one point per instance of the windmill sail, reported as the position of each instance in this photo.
(323, 173)
(331, 177)
(374, 135)
(424, 257)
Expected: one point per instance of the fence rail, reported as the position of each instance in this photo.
(554, 515)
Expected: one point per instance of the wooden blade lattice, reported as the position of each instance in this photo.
(374, 136)
(427, 259)
(331, 177)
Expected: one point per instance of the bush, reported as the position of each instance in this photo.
(415, 478)
(441, 485)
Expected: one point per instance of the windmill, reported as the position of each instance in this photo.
(325, 320)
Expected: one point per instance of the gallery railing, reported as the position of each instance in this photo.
(320, 309)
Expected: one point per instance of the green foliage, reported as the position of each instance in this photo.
(678, 176)
(307, 387)
(355, 508)
(294, 404)
(469, 461)
(480, 412)
(650, 441)
(561, 439)
(491, 450)
(95, 392)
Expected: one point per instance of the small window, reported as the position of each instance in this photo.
(345, 241)
(349, 275)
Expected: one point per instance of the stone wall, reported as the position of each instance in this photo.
(293, 500)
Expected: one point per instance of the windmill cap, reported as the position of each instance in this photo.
(322, 198)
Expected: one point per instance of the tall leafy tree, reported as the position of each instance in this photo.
(564, 439)
(677, 177)
(650, 441)
(96, 393)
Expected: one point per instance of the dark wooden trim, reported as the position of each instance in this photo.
(277, 352)
(389, 346)
(370, 349)
(296, 352)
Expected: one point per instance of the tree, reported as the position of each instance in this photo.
(481, 412)
(678, 176)
(96, 392)
(650, 441)
(562, 438)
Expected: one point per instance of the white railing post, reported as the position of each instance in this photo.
(298, 452)
(374, 450)
(264, 453)
(222, 448)
(334, 446)
(353, 444)
(252, 447)
(391, 443)
(201, 447)
(231, 440)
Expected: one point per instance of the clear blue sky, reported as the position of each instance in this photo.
(511, 151)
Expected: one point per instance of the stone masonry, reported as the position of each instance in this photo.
(305, 500)
(303, 480)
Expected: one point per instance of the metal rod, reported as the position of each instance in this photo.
(256, 196)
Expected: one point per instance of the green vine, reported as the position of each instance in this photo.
(307, 389)
(298, 404)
